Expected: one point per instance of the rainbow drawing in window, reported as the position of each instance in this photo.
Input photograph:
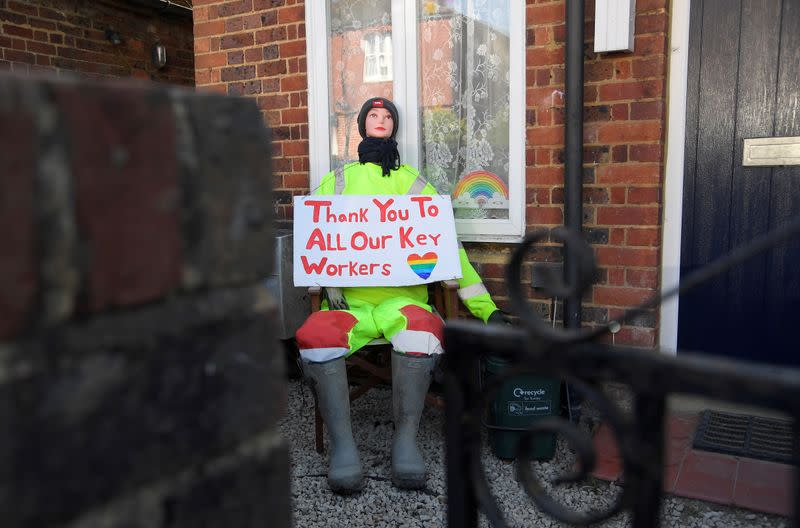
(481, 190)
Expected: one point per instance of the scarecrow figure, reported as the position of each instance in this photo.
(352, 317)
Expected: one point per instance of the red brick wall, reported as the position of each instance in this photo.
(69, 36)
(257, 48)
(624, 133)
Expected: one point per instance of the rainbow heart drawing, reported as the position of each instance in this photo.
(423, 265)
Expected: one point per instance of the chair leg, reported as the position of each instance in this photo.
(432, 400)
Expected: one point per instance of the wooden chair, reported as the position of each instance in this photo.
(445, 302)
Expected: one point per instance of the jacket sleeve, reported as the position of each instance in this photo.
(471, 290)
(326, 185)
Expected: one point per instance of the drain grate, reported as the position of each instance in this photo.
(743, 435)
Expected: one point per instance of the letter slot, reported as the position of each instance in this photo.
(770, 152)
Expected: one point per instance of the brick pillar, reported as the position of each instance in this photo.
(139, 382)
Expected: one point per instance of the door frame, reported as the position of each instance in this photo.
(672, 219)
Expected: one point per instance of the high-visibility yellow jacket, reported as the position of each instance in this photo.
(367, 179)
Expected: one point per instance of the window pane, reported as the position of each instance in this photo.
(464, 102)
(356, 30)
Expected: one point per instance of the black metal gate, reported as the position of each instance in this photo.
(576, 357)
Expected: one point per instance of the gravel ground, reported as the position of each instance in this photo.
(382, 505)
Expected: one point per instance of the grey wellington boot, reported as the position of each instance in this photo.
(411, 377)
(345, 474)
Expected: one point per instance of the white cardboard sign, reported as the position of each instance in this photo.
(383, 240)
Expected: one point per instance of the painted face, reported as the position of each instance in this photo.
(379, 123)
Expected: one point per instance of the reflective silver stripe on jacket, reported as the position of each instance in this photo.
(417, 186)
(338, 187)
(468, 292)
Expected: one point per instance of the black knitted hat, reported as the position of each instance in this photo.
(377, 102)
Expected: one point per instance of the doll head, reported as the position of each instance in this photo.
(378, 118)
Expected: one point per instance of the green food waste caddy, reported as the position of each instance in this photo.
(519, 402)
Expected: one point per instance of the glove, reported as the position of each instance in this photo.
(336, 299)
(499, 317)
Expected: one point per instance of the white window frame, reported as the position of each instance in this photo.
(673, 186)
(406, 98)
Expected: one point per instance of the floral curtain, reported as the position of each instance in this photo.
(464, 102)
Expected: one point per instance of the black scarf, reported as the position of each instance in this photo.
(380, 151)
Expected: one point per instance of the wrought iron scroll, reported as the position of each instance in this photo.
(576, 355)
